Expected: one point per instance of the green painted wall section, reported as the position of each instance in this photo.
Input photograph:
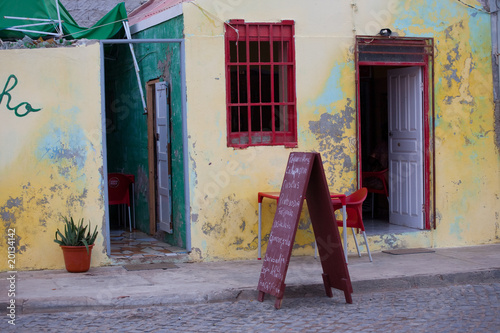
(127, 125)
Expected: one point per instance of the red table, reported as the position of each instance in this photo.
(276, 196)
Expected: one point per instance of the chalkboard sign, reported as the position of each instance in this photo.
(304, 179)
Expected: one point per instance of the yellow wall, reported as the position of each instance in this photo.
(50, 160)
(224, 181)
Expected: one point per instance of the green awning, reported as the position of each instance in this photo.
(107, 27)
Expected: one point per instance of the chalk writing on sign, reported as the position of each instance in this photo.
(6, 93)
(280, 241)
(304, 179)
(285, 223)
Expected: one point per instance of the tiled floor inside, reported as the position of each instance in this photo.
(380, 226)
(377, 223)
(136, 244)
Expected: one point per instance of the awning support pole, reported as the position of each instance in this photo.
(59, 18)
(129, 36)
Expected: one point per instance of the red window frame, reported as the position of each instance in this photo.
(260, 84)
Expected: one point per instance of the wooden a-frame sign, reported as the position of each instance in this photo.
(304, 179)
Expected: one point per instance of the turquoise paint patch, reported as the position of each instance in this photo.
(477, 180)
(434, 14)
(219, 133)
(456, 229)
(438, 119)
(65, 146)
(480, 34)
(333, 91)
(204, 245)
(473, 156)
(439, 15)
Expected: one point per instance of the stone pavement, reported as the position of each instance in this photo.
(114, 287)
(462, 308)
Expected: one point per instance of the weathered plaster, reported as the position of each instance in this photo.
(334, 145)
(326, 104)
(53, 160)
(54, 165)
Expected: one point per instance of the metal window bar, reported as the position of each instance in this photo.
(249, 89)
(273, 88)
(238, 80)
(264, 107)
(259, 60)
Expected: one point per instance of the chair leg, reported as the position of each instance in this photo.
(367, 248)
(129, 219)
(355, 241)
(124, 216)
(133, 205)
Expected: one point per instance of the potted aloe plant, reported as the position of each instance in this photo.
(76, 242)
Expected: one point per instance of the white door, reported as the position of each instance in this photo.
(405, 90)
(163, 186)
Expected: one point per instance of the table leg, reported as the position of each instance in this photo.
(344, 230)
(260, 231)
(133, 205)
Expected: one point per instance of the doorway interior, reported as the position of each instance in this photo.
(133, 139)
(391, 132)
(374, 133)
(394, 79)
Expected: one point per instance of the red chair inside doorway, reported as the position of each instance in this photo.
(376, 183)
(119, 190)
(354, 210)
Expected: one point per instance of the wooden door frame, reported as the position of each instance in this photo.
(150, 97)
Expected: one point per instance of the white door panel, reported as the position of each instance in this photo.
(162, 157)
(405, 147)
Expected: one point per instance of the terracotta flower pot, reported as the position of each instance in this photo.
(76, 258)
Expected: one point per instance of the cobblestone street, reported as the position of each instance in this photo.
(468, 308)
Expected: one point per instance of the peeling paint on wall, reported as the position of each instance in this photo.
(54, 165)
(333, 141)
(7, 211)
(326, 104)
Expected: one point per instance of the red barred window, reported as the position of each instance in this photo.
(260, 84)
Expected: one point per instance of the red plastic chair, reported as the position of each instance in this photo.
(119, 192)
(354, 209)
(375, 182)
